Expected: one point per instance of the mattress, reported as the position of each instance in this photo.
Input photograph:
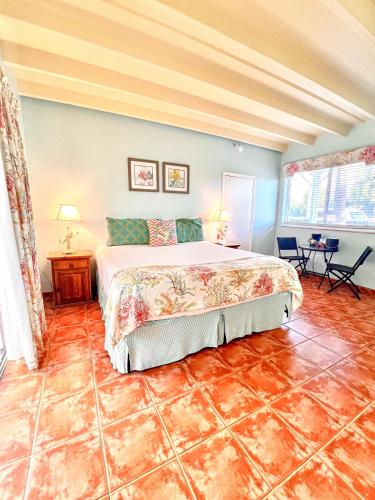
(110, 260)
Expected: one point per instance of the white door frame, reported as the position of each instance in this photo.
(244, 176)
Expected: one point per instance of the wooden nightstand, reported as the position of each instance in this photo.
(229, 245)
(71, 278)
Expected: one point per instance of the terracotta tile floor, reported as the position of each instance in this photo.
(288, 413)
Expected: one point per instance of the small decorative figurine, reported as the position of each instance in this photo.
(69, 235)
(68, 213)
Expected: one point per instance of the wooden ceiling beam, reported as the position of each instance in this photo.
(242, 69)
(259, 31)
(84, 100)
(359, 14)
(149, 17)
(25, 57)
(155, 105)
(159, 62)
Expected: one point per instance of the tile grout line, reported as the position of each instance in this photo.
(100, 430)
(268, 405)
(326, 407)
(15, 461)
(200, 387)
(257, 468)
(343, 358)
(53, 399)
(197, 385)
(9, 413)
(36, 429)
(300, 385)
(295, 433)
(332, 331)
(170, 439)
(325, 445)
(350, 423)
(76, 392)
(140, 476)
(322, 447)
(261, 357)
(153, 405)
(355, 391)
(58, 445)
(227, 427)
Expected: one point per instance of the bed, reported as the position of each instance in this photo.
(161, 304)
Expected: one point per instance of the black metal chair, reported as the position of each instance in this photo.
(331, 244)
(288, 244)
(345, 273)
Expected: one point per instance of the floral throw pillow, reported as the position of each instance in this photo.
(162, 232)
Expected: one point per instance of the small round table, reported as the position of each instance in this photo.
(327, 254)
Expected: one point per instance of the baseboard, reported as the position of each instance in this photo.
(363, 289)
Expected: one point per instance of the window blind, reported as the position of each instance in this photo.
(338, 196)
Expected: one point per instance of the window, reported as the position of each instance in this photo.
(338, 196)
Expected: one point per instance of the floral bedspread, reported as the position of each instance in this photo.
(143, 294)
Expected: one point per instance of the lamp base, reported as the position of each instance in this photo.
(221, 232)
(66, 241)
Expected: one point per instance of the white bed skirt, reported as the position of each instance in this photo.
(166, 341)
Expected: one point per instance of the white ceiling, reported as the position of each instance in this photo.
(264, 72)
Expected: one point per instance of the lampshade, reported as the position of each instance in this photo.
(222, 215)
(68, 213)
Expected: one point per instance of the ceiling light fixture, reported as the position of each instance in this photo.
(239, 147)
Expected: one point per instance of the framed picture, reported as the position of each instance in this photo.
(143, 175)
(176, 178)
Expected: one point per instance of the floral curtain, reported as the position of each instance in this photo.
(17, 183)
(360, 155)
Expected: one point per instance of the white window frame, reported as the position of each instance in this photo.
(337, 227)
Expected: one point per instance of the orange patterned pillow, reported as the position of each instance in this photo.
(162, 232)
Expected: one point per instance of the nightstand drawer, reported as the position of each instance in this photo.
(68, 264)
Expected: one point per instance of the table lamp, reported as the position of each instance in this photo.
(222, 216)
(68, 213)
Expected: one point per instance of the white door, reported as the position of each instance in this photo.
(238, 195)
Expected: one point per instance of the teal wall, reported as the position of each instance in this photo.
(80, 156)
(351, 243)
